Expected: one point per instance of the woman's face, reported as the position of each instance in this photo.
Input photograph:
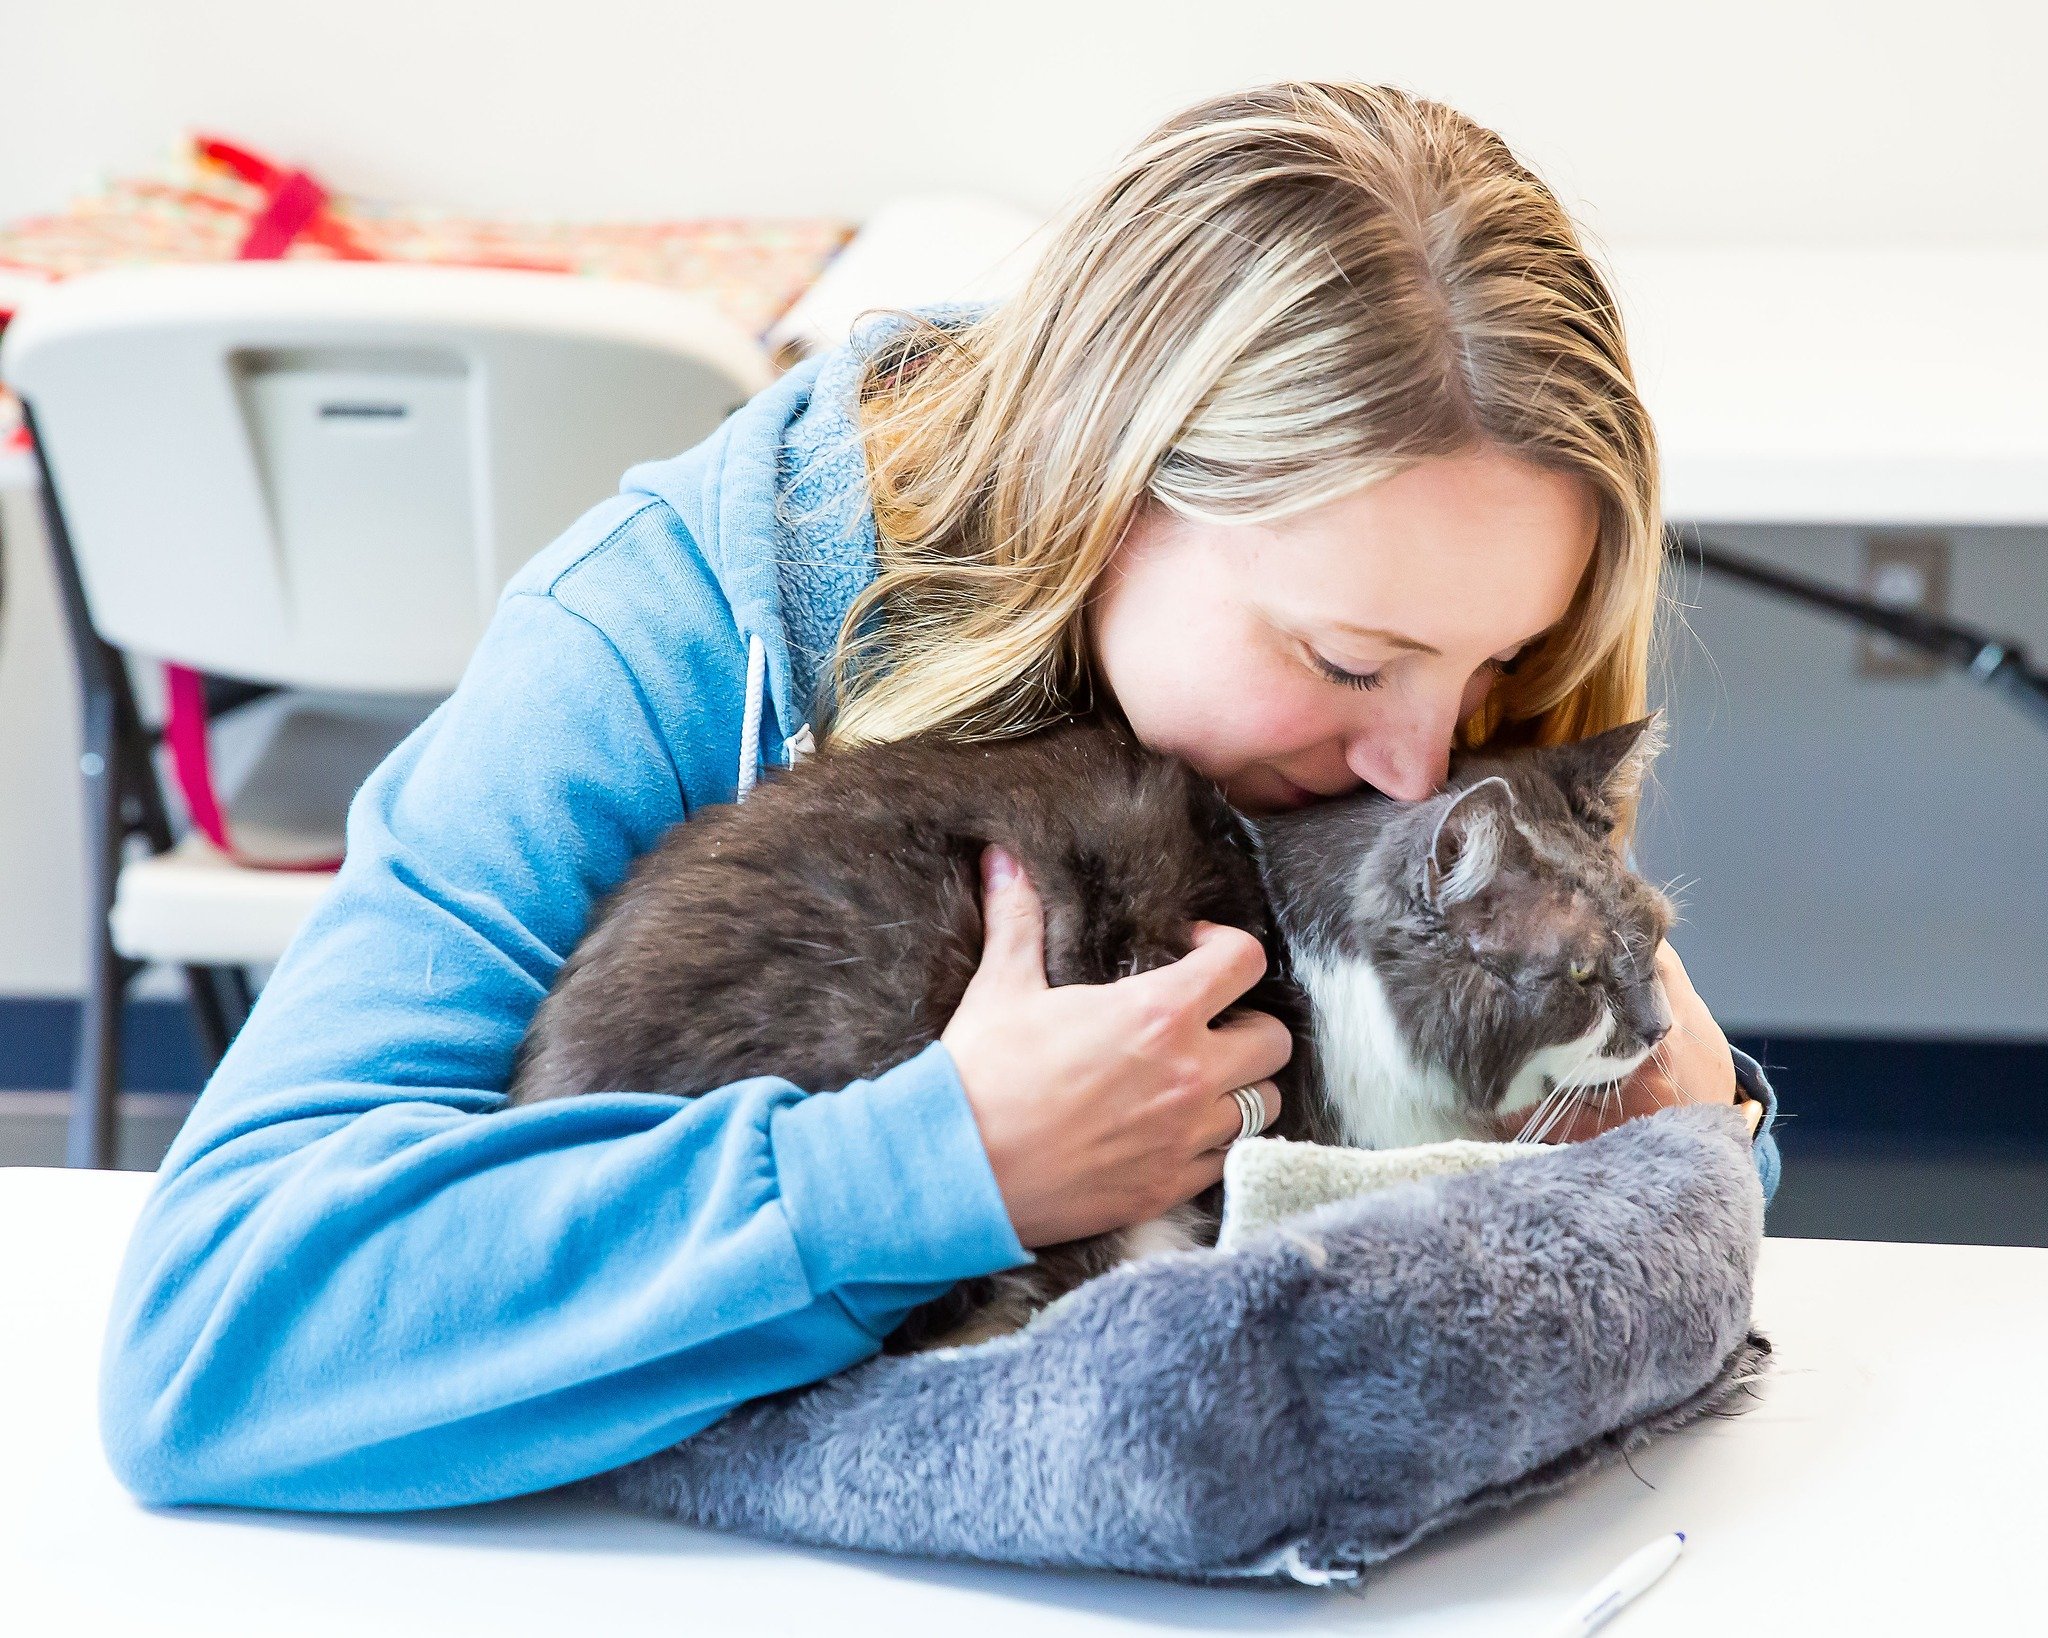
(1341, 646)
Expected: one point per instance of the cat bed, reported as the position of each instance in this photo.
(1330, 1386)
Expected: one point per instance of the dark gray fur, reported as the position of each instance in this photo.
(825, 929)
(1342, 1386)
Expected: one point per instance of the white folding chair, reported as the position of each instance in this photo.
(309, 482)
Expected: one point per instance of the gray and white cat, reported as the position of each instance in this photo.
(1443, 964)
(1479, 955)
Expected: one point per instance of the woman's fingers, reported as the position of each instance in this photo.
(1254, 1046)
(1204, 1171)
(1013, 923)
(1224, 963)
(1101, 1105)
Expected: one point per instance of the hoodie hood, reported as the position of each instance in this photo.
(778, 503)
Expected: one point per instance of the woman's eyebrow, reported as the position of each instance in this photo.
(1392, 637)
(1396, 640)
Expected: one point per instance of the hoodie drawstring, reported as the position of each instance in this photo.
(750, 725)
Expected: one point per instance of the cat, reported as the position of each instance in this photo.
(826, 928)
(1477, 956)
(1443, 965)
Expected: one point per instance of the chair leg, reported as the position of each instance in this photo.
(120, 797)
(220, 1007)
(96, 1083)
(96, 1080)
(241, 995)
(209, 1013)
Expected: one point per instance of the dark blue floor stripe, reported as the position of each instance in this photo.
(39, 1035)
(1840, 1092)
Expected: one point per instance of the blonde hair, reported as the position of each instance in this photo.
(1279, 297)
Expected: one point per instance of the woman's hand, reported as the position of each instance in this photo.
(1103, 1105)
(1690, 1065)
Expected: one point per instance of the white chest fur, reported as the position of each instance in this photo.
(1583, 1062)
(1385, 1099)
(1382, 1097)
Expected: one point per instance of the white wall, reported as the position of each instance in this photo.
(1790, 121)
(1773, 119)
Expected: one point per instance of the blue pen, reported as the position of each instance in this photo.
(1629, 1579)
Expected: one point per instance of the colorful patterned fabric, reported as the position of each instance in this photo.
(207, 206)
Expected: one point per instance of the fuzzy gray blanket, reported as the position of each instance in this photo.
(1338, 1387)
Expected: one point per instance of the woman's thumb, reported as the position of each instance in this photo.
(1013, 922)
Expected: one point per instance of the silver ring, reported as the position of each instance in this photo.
(1251, 1112)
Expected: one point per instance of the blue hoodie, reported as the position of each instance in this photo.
(347, 1292)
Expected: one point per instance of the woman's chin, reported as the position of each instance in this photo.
(1261, 799)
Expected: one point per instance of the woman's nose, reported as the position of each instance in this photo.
(1409, 760)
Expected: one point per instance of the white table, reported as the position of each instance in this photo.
(1886, 1480)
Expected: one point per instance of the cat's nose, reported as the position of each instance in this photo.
(1650, 1018)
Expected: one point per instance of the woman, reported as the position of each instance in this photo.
(1311, 449)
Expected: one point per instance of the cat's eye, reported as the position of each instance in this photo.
(1580, 972)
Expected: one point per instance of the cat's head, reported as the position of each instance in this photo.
(1470, 955)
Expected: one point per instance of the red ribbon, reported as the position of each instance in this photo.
(294, 207)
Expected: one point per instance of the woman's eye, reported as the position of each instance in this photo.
(1350, 679)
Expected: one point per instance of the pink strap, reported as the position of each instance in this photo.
(294, 205)
(191, 760)
(192, 763)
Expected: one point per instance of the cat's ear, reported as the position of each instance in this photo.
(1468, 842)
(1603, 774)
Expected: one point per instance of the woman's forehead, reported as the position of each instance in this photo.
(1432, 593)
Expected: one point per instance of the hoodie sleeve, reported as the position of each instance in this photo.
(1751, 1081)
(359, 1285)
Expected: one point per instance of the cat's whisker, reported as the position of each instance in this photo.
(1551, 1111)
(1538, 1114)
(1560, 1113)
(1556, 1106)
(1662, 1062)
(1610, 1106)
(1534, 1128)
(1679, 885)
(1537, 1127)
(1571, 1094)
(1572, 1108)
(1687, 1031)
